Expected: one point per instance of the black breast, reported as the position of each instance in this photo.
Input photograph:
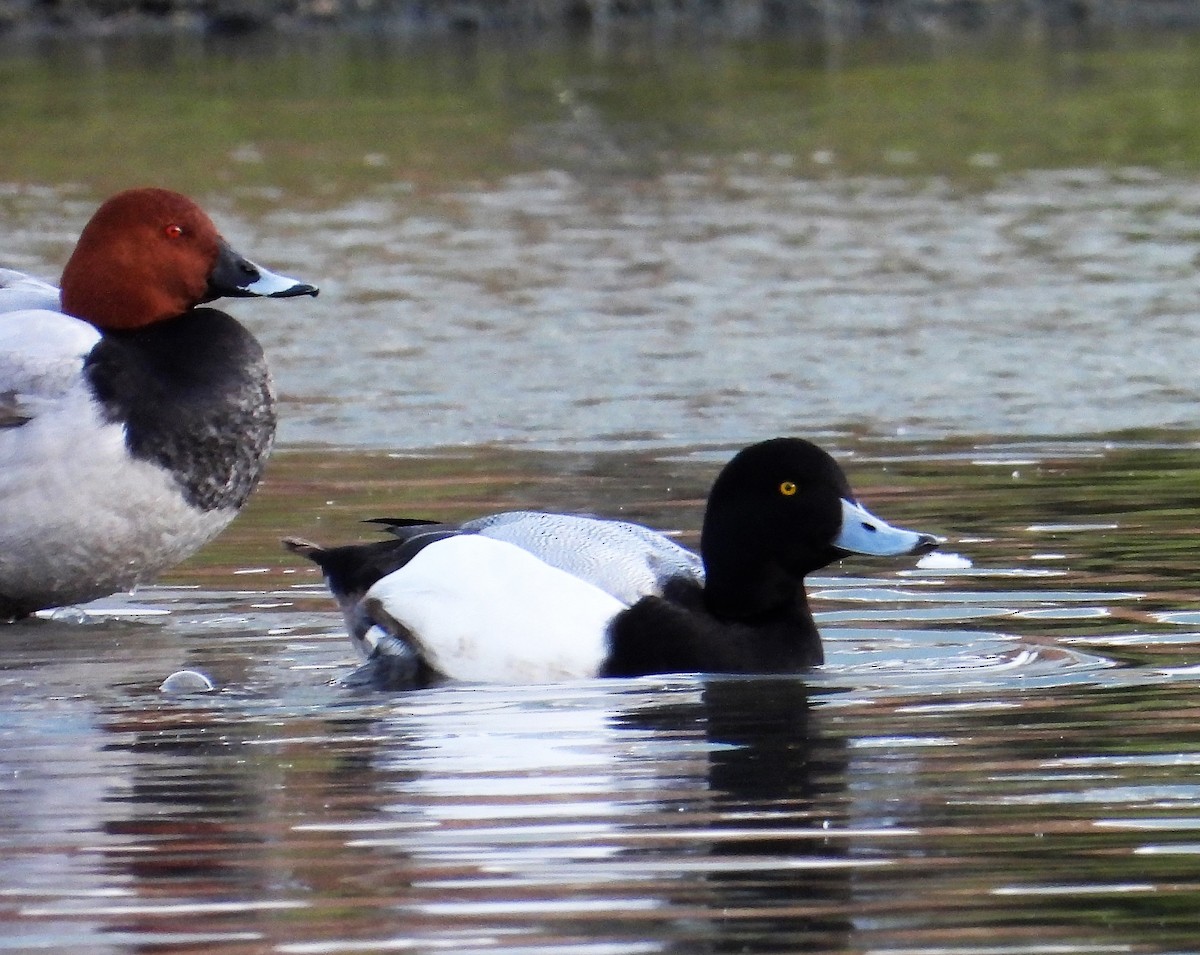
(194, 395)
(677, 634)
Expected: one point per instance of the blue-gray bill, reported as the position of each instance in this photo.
(864, 533)
(272, 285)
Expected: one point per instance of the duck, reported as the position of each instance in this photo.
(624, 559)
(534, 603)
(134, 419)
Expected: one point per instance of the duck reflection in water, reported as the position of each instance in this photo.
(766, 833)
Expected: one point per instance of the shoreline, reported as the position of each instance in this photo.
(817, 20)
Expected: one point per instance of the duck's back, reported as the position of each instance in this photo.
(41, 356)
(626, 560)
(21, 292)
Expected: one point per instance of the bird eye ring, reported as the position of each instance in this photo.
(787, 488)
(173, 231)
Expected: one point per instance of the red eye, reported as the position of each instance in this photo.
(173, 231)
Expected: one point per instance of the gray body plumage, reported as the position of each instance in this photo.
(626, 560)
(19, 291)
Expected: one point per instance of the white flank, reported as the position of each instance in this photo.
(484, 610)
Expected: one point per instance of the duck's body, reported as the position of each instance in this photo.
(624, 559)
(112, 466)
(20, 292)
(460, 605)
(129, 439)
(541, 624)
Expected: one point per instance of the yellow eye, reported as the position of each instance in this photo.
(787, 488)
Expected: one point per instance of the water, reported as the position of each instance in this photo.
(544, 311)
(996, 760)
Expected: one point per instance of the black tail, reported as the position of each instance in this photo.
(351, 570)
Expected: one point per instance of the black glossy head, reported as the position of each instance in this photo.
(779, 502)
(778, 511)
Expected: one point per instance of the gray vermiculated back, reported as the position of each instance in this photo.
(627, 560)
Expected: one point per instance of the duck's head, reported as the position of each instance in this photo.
(151, 254)
(786, 504)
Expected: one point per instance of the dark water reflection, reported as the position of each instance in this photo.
(997, 759)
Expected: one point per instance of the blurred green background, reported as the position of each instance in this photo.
(322, 110)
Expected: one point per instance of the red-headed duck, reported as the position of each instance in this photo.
(133, 423)
(528, 597)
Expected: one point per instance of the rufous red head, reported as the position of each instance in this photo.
(148, 255)
(145, 256)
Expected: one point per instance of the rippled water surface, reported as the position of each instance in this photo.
(1000, 759)
(700, 307)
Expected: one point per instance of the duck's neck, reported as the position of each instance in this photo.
(761, 595)
(745, 590)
